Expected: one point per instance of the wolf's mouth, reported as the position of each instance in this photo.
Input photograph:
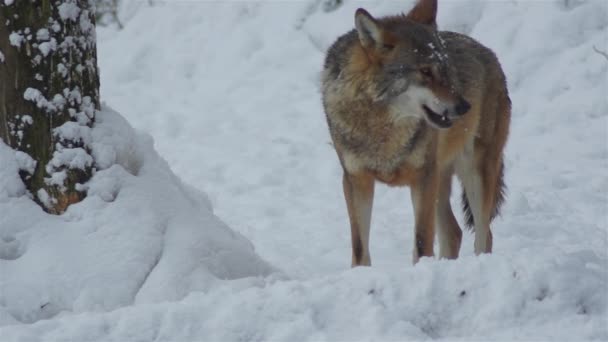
(439, 120)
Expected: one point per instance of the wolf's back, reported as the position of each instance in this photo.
(474, 64)
(337, 55)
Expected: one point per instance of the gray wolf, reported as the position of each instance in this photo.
(407, 104)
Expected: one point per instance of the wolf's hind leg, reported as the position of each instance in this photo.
(481, 176)
(448, 231)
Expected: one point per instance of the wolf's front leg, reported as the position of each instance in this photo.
(359, 194)
(424, 198)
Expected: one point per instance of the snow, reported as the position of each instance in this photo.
(87, 107)
(73, 95)
(57, 178)
(62, 70)
(16, 39)
(46, 47)
(56, 27)
(43, 34)
(69, 10)
(1, 57)
(73, 158)
(140, 236)
(74, 132)
(27, 120)
(47, 201)
(36, 96)
(25, 162)
(239, 119)
(58, 100)
(85, 23)
(10, 184)
(8, 2)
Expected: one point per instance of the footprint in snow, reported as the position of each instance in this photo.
(10, 248)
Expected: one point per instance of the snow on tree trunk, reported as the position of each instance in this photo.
(49, 93)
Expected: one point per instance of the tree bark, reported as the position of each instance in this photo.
(49, 93)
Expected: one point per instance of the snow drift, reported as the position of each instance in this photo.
(140, 236)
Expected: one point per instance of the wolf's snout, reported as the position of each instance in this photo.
(462, 107)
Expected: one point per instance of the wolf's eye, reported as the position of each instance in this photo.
(426, 72)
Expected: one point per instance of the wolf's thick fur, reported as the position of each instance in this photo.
(409, 105)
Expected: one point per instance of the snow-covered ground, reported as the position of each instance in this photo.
(229, 91)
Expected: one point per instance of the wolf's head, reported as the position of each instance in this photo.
(411, 66)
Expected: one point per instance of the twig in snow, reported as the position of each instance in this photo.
(600, 52)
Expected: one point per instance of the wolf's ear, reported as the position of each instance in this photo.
(425, 12)
(370, 33)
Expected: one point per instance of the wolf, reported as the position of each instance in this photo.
(409, 105)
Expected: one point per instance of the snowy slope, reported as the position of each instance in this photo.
(229, 91)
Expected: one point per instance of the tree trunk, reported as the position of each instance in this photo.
(49, 93)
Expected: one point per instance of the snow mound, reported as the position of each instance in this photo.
(140, 236)
(485, 298)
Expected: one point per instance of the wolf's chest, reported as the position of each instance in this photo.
(389, 151)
